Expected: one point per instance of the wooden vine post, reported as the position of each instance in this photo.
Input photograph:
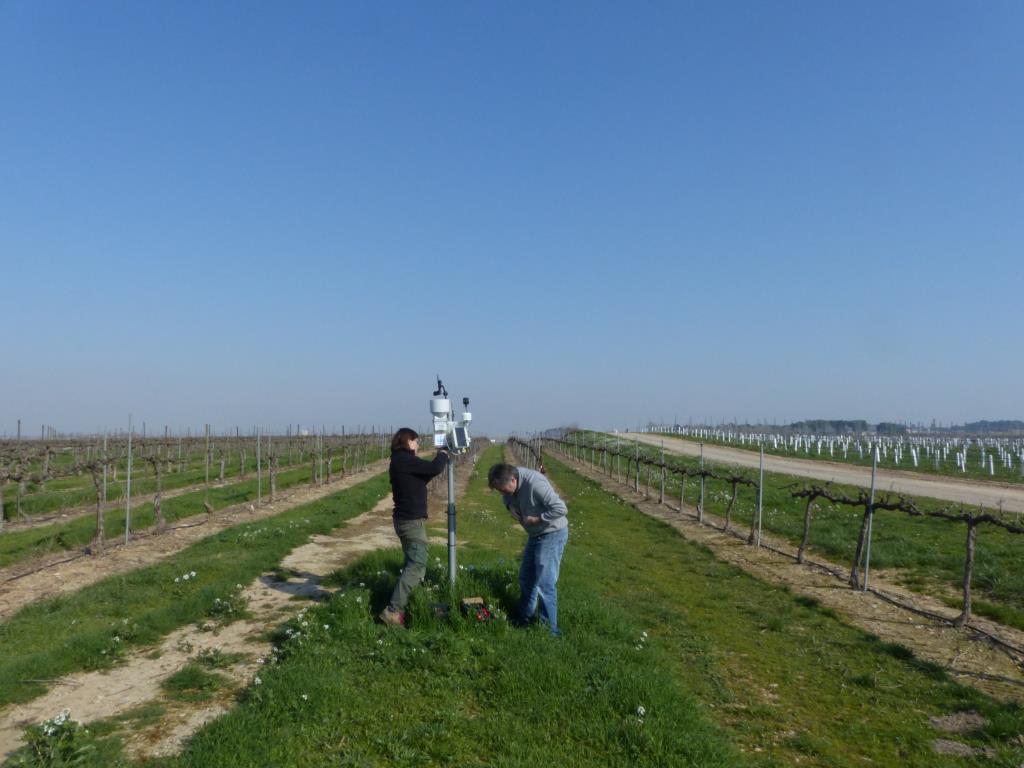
(812, 494)
(154, 460)
(3, 480)
(97, 469)
(972, 537)
(858, 553)
(661, 495)
(735, 480)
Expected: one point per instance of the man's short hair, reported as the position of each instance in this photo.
(500, 475)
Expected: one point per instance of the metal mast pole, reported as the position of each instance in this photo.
(451, 521)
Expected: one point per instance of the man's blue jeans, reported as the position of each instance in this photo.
(538, 577)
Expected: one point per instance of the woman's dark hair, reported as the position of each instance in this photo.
(402, 438)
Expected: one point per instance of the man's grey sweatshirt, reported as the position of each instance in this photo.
(534, 497)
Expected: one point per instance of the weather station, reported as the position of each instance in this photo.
(453, 436)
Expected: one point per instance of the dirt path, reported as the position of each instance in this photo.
(271, 601)
(993, 495)
(965, 653)
(64, 572)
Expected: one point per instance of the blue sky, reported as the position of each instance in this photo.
(256, 213)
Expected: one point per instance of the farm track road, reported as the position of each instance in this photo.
(991, 495)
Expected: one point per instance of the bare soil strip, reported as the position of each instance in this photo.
(99, 695)
(964, 653)
(1009, 498)
(63, 572)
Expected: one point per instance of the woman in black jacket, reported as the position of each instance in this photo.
(409, 478)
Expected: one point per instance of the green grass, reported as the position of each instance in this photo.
(19, 545)
(925, 553)
(215, 658)
(784, 675)
(194, 682)
(730, 671)
(456, 692)
(94, 626)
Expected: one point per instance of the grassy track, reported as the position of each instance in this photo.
(90, 628)
(928, 554)
(730, 671)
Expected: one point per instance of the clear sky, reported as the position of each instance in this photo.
(271, 213)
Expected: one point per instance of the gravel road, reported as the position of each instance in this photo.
(947, 489)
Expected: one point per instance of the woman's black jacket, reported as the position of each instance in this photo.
(409, 477)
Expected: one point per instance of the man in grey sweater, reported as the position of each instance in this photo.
(532, 501)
